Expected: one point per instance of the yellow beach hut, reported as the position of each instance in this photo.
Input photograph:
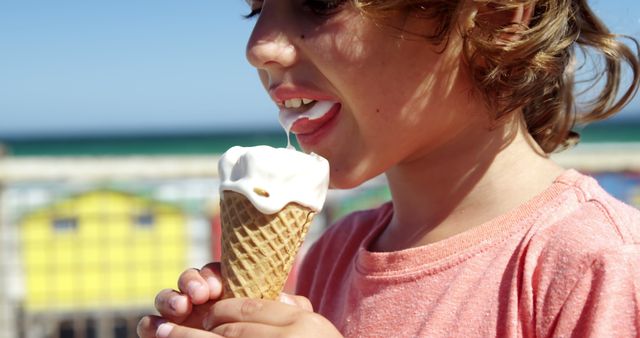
(101, 249)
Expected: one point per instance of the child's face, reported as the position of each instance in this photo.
(399, 98)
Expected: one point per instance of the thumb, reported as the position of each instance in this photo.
(171, 330)
(295, 300)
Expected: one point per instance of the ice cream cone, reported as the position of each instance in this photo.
(258, 250)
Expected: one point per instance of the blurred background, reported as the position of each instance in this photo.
(113, 115)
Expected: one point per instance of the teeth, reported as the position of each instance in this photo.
(293, 103)
(297, 102)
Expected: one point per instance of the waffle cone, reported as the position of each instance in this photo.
(258, 250)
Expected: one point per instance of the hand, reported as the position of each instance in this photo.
(291, 316)
(184, 313)
(199, 289)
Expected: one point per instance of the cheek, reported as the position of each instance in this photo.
(264, 78)
(341, 42)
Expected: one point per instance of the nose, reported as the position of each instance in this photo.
(270, 46)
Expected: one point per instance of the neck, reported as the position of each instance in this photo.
(464, 184)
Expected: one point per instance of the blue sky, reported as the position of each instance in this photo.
(84, 67)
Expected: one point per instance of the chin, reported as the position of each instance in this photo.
(339, 181)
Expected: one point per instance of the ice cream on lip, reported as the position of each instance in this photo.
(271, 177)
(288, 117)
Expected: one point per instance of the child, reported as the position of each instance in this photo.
(458, 102)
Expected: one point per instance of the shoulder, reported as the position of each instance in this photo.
(623, 218)
(584, 241)
(360, 221)
(589, 220)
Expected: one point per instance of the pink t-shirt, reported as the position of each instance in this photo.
(565, 264)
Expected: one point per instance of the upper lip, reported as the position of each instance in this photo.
(282, 92)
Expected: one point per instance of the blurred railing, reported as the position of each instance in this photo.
(602, 157)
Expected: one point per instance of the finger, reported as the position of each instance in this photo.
(241, 330)
(172, 305)
(148, 325)
(197, 315)
(194, 285)
(299, 301)
(250, 310)
(171, 330)
(212, 275)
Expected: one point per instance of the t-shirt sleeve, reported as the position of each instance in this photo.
(605, 301)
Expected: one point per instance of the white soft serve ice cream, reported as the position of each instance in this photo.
(273, 177)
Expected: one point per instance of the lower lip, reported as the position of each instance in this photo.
(310, 132)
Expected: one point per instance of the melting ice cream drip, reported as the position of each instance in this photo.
(289, 117)
(286, 124)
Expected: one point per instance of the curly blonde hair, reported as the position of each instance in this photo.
(535, 71)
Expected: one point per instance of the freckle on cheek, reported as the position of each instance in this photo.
(302, 36)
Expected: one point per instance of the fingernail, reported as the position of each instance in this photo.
(164, 330)
(215, 287)
(284, 298)
(177, 303)
(207, 323)
(193, 288)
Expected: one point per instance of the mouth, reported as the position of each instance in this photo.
(304, 116)
(307, 126)
(312, 132)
